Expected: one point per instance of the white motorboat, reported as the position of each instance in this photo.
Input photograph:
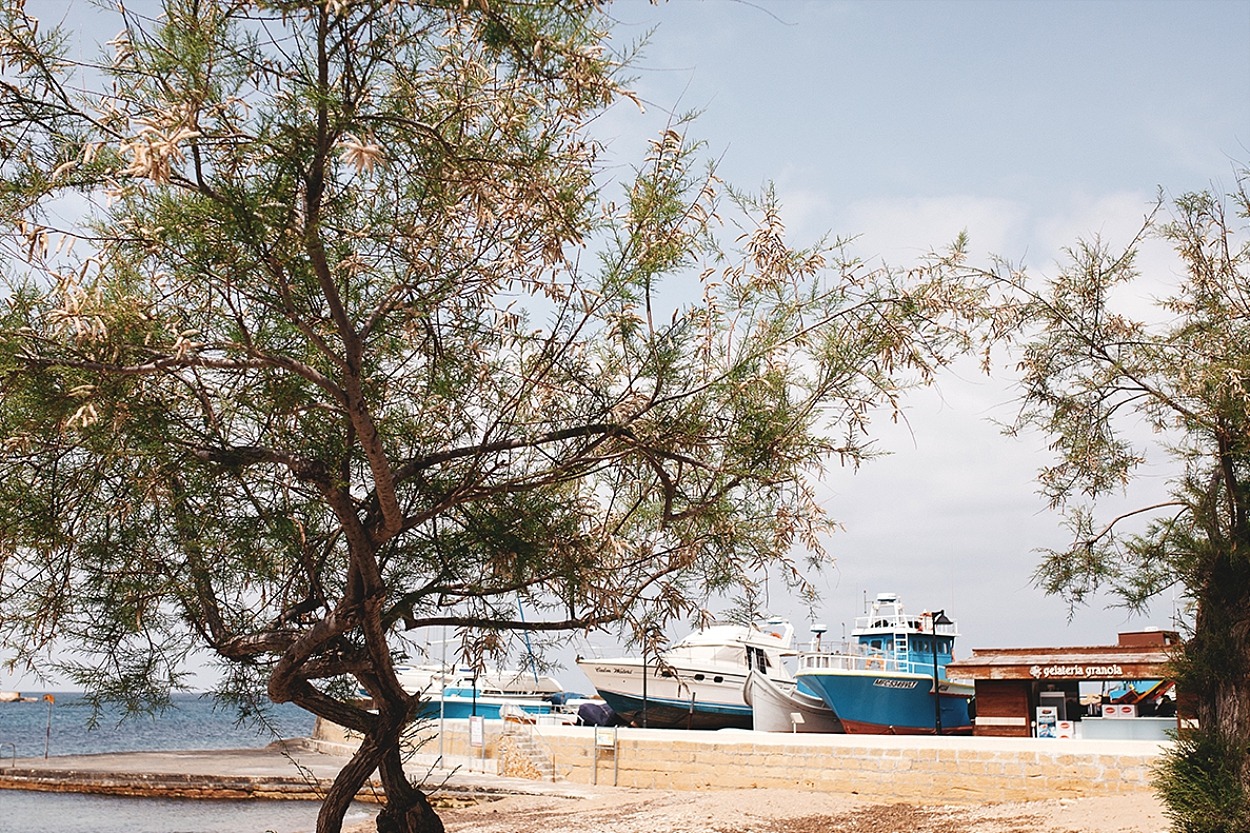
(698, 683)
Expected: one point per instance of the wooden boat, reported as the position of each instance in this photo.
(779, 706)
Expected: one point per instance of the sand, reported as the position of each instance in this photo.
(609, 810)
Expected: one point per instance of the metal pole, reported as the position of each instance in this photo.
(47, 737)
(442, 699)
(937, 692)
(644, 687)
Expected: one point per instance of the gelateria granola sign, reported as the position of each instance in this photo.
(1079, 672)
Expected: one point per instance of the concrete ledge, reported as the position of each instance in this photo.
(166, 785)
(285, 770)
(290, 771)
(899, 768)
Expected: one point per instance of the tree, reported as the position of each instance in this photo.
(1092, 375)
(322, 325)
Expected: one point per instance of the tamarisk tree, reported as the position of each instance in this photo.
(326, 321)
(1093, 373)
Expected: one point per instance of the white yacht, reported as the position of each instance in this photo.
(698, 683)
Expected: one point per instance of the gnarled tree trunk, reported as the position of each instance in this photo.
(1216, 659)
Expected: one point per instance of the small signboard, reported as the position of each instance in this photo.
(477, 732)
(1047, 720)
(605, 737)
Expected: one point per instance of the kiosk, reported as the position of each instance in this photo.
(1134, 699)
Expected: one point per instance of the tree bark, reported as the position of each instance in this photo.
(347, 785)
(407, 809)
(1217, 656)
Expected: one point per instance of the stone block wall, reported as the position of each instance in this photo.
(963, 769)
(947, 769)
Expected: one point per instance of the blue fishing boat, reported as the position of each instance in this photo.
(891, 679)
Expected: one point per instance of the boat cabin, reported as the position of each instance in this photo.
(889, 639)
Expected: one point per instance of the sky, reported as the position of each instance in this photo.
(1027, 124)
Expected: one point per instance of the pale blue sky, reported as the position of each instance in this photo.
(1033, 100)
(1028, 124)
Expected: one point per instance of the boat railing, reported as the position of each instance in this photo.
(892, 621)
(851, 660)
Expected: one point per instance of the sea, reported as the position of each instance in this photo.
(66, 726)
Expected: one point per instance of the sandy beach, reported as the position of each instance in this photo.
(790, 811)
(479, 803)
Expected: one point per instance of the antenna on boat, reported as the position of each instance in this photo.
(818, 630)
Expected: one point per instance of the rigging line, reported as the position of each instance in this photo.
(529, 649)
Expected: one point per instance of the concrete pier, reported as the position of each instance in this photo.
(292, 771)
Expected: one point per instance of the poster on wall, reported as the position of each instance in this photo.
(477, 732)
(1047, 720)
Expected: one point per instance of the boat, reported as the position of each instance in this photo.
(455, 693)
(698, 682)
(778, 706)
(892, 678)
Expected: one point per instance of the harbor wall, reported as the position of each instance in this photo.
(945, 769)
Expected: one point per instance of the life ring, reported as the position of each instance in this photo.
(875, 662)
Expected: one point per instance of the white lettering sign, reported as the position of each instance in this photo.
(1089, 672)
(614, 669)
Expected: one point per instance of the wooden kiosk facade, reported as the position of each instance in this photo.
(1011, 683)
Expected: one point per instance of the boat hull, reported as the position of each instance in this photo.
(676, 714)
(878, 703)
(775, 704)
(696, 684)
(455, 706)
(686, 698)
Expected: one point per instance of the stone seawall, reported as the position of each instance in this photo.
(948, 769)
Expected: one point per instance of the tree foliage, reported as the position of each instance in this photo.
(1094, 374)
(329, 321)
(1200, 781)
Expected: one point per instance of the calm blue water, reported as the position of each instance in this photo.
(31, 812)
(194, 722)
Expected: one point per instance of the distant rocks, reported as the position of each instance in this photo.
(15, 697)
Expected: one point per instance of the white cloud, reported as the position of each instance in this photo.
(900, 230)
